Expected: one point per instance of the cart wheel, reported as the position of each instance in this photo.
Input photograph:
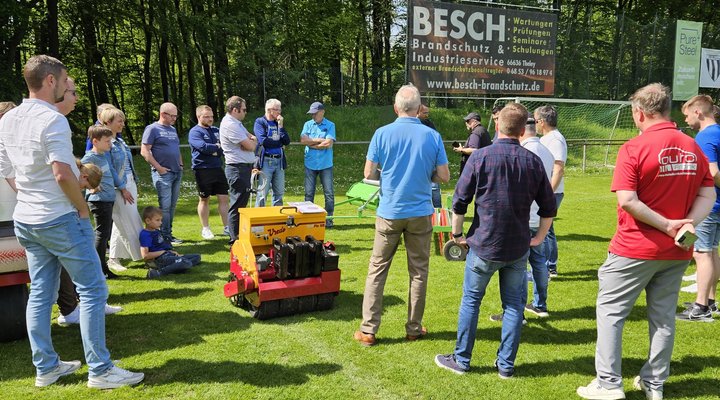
(454, 252)
(13, 301)
(325, 301)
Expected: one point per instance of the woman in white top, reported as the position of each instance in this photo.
(124, 241)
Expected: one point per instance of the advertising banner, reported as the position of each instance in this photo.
(467, 49)
(686, 73)
(710, 68)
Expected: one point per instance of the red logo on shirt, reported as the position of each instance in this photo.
(676, 161)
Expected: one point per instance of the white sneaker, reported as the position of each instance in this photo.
(72, 318)
(207, 233)
(650, 394)
(115, 377)
(115, 266)
(594, 391)
(690, 289)
(690, 278)
(63, 368)
(110, 310)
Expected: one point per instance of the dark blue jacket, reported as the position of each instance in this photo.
(206, 151)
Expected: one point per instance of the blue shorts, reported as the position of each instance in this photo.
(708, 233)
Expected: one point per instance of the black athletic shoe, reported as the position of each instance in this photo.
(695, 313)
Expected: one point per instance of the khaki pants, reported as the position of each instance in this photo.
(417, 234)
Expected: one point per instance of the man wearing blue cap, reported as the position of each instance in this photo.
(318, 136)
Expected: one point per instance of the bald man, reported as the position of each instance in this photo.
(161, 149)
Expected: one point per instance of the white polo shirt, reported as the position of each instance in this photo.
(533, 144)
(555, 142)
(32, 137)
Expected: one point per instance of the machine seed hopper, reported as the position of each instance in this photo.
(280, 264)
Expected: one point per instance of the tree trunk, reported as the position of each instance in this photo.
(164, 65)
(51, 29)
(148, 21)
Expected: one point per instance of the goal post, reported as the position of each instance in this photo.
(592, 128)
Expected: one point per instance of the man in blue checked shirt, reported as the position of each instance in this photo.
(318, 136)
(504, 179)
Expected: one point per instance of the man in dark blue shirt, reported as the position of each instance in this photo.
(271, 136)
(504, 179)
(204, 141)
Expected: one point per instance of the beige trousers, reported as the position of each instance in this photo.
(417, 233)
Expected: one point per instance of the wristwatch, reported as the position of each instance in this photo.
(457, 235)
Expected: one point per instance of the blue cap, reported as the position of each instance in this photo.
(315, 107)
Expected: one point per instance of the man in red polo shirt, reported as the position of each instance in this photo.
(663, 185)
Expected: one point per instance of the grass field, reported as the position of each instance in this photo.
(191, 343)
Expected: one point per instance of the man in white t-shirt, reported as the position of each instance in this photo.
(52, 224)
(546, 124)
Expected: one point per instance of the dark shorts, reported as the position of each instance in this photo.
(210, 182)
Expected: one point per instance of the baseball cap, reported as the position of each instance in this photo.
(315, 107)
(472, 115)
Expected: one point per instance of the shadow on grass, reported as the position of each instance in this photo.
(255, 374)
(140, 333)
(530, 335)
(166, 293)
(583, 275)
(579, 237)
(346, 307)
(638, 313)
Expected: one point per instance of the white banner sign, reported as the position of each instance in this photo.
(710, 68)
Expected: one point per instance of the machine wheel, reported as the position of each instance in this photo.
(237, 300)
(267, 310)
(325, 301)
(307, 304)
(289, 306)
(454, 252)
(13, 301)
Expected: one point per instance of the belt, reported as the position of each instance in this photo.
(273, 155)
(242, 164)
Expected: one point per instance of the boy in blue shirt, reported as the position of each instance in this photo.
(102, 199)
(155, 248)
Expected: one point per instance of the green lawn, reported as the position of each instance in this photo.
(191, 343)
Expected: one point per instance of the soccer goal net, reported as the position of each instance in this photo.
(594, 129)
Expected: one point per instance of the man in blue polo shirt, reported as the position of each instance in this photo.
(161, 149)
(318, 136)
(204, 141)
(272, 136)
(410, 156)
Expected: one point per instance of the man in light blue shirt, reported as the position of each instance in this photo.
(411, 156)
(318, 136)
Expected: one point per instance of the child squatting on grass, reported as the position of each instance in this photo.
(154, 248)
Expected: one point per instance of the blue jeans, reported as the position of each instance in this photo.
(436, 195)
(65, 241)
(168, 191)
(326, 179)
(540, 274)
(477, 276)
(551, 241)
(275, 174)
(169, 263)
(238, 177)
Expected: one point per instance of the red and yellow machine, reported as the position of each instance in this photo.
(280, 264)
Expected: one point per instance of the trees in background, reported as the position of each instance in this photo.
(137, 54)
